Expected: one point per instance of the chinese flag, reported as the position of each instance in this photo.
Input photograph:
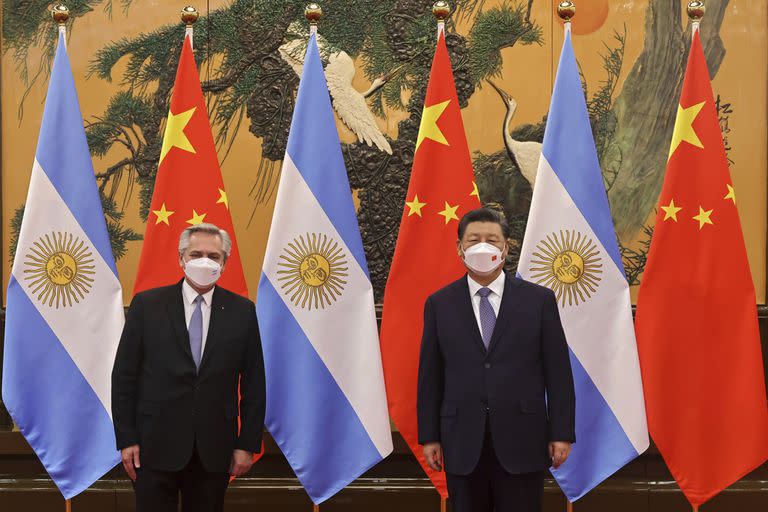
(441, 190)
(188, 188)
(697, 332)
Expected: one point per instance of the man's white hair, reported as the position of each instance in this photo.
(205, 227)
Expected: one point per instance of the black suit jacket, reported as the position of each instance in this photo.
(461, 385)
(160, 401)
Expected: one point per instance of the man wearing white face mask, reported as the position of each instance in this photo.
(496, 404)
(183, 351)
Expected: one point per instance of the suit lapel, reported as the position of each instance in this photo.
(506, 311)
(178, 320)
(218, 310)
(464, 300)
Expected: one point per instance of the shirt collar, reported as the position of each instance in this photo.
(497, 286)
(190, 294)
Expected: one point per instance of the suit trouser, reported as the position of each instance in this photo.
(490, 488)
(201, 491)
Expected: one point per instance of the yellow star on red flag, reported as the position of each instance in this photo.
(174, 136)
(428, 128)
(475, 192)
(731, 193)
(223, 199)
(670, 211)
(196, 218)
(449, 212)
(684, 127)
(163, 215)
(703, 217)
(415, 206)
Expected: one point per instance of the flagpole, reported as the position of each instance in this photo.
(60, 14)
(313, 12)
(441, 10)
(696, 10)
(567, 10)
(189, 16)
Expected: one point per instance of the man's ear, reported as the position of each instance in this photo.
(458, 247)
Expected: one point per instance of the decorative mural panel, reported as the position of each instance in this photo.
(377, 56)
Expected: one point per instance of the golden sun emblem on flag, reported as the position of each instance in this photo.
(312, 271)
(59, 269)
(569, 265)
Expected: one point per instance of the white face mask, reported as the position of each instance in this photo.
(483, 258)
(202, 271)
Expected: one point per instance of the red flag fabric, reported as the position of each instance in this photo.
(697, 331)
(188, 188)
(440, 191)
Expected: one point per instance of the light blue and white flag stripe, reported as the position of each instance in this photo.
(64, 308)
(570, 245)
(326, 403)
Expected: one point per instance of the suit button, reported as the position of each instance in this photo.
(487, 365)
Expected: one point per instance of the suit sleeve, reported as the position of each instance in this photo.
(430, 380)
(125, 376)
(253, 397)
(561, 401)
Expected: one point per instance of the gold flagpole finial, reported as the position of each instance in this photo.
(189, 16)
(60, 14)
(441, 10)
(566, 10)
(313, 12)
(696, 10)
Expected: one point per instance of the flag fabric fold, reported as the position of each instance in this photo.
(189, 188)
(570, 246)
(696, 323)
(64, 306)
(326, 404)
(440, 191)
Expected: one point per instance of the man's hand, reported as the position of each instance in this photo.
(558, 452)
(131, 460)
(241, 462)
(433, 452)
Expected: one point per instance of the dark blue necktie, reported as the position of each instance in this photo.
(487, 316)
(196, 331)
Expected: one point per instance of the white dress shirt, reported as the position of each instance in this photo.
(497, 290)
(189, 295)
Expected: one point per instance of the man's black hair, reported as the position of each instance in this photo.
(484, 215)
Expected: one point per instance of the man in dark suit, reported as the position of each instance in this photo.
(183, 351)
(496, 403)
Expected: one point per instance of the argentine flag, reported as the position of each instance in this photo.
(570, 246)
(65, 307)
(326, 404)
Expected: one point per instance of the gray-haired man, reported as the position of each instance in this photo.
(183, 351)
